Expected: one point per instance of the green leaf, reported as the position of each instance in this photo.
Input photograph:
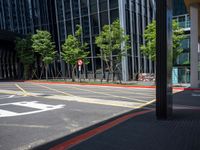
(149, 48)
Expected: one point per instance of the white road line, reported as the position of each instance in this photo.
(102, 93)
(24, 125)
(6, 96)
(11, 96)
(4, 113)
(34, 104)
(96, 101)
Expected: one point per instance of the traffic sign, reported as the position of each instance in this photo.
(80, 62)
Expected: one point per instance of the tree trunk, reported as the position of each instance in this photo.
(41, 72)
(26, 72)
(73, 73)
(46, 70)
(107, 80)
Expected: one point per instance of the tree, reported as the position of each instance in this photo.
(110, 42)
(25, 54)
(42, 44)
(149, 48)
(73, 50)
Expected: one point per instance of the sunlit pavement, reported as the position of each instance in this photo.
(32, 114)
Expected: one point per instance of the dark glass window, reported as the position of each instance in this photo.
(94, 24)
(127, 22)
(179, 7)
(93, 6)
(62, 31)
(113, 4)
(103, 5)
(59, 9)
(75, 8)
(67, 9)
(84, 8)
(104, 18)
(69, 27)
(85, 26)
(114, 14)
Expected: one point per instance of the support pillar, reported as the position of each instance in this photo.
(122, 18)
(194, 47)
(163, 59)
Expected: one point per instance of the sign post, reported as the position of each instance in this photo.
(80, 63)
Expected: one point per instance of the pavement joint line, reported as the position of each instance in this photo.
(24, 91)
(110, 95)
(96, 131)
(68, 94)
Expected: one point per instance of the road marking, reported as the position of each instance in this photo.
(33, 104)
(6, 96)
(24, 125)
(24, 91)
(138, 100)
(65, 93)
(11, 92)
(96, 101)
(146, 104)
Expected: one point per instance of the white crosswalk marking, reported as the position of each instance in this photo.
(33, 104)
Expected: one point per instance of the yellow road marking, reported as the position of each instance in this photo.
(9, 92)
(148, 103)
(65, 93)
(24, 91)
(109, 94)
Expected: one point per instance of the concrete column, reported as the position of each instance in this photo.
(194, 47)
(164, 59)
(122, 18)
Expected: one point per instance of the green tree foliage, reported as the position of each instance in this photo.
(25, 54)
(110, 42)
(149, 48)
(42, 44)
(73, 50)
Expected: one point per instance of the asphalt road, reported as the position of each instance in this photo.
(32, 114)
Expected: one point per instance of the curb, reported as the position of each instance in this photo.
(113, 85)
(88, 84)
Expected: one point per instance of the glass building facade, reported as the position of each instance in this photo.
(183, 61)
(92, 15)
(21, 17)
(60, 17)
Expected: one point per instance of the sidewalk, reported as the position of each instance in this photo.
(140, 130)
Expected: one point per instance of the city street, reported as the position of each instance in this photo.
(32, 114)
